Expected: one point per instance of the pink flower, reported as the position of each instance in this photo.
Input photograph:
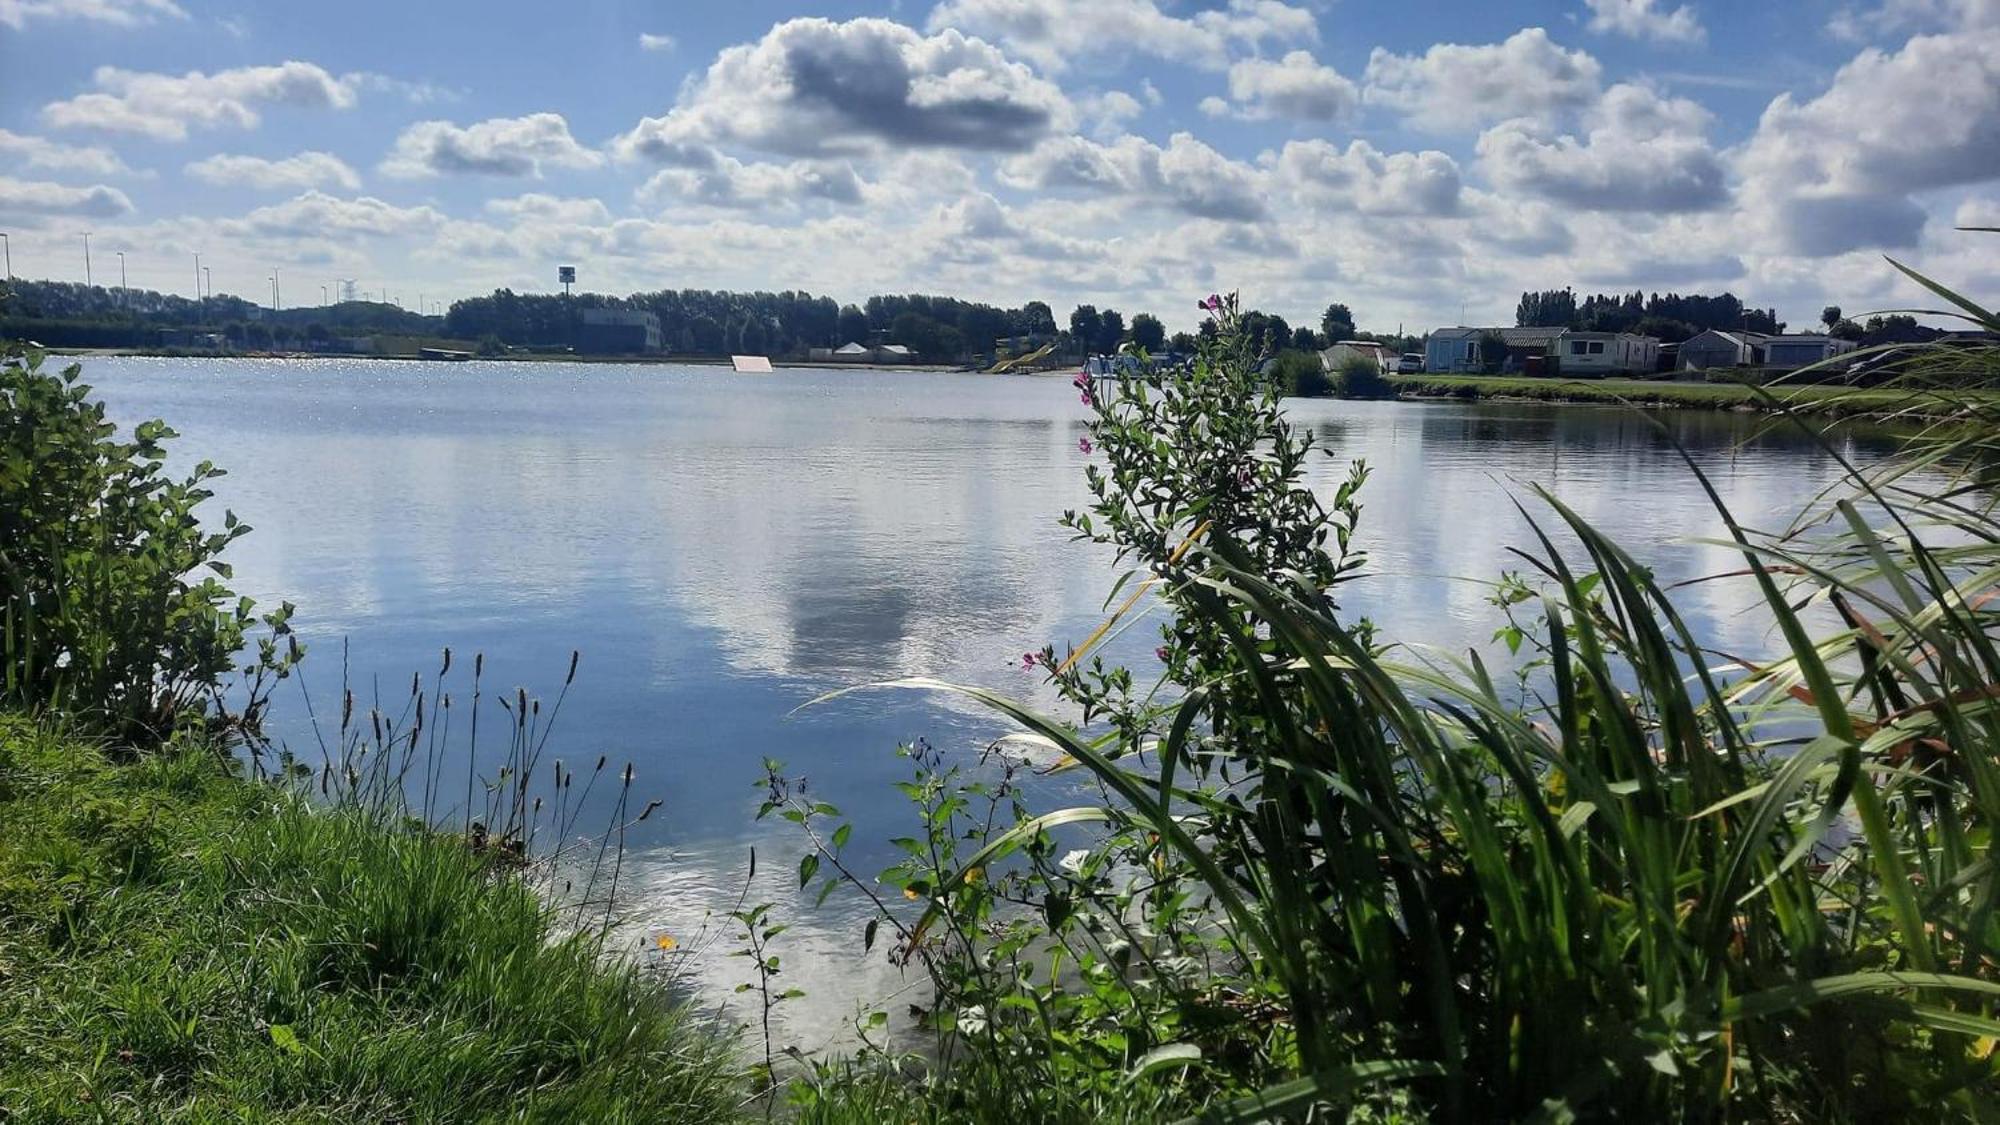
(1027, 660)
(1161, 652)
(1212, 304)
(1082, 381)
(1084, 398)
(1083, 445)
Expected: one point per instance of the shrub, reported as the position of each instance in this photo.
(1361, 377)
(112, 612)
(1300, 374)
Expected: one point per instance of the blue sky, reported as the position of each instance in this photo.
(1409, 158)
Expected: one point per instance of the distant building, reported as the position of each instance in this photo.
(1453, 351)
(1787, 353)
(894, 353)
(1528, 349)
(618, 332)
(1606, 353)
(1719, 348)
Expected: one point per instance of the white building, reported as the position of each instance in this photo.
(1606, 353)
(1788, 353)
(1332, 358)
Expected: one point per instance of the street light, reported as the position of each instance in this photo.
(86, 258)
(4, 241)
(121, 277)
(322, 296)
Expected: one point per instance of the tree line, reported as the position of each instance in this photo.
(1670, 317)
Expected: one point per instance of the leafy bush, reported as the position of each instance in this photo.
(1361, 377)
(107, 614)
(1321, 872)
(1301, 374)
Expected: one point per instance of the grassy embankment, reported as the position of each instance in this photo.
(180, 944)
(1662, 392)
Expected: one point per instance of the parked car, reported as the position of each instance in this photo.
(1412, 363)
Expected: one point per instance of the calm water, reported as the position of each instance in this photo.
(723, 549)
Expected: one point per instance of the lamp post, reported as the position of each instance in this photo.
(322, 296)
(9, 245)
(210, 279)
(121, 277)
(86, 258)
(274, 293)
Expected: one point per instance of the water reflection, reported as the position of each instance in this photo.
(723, 550)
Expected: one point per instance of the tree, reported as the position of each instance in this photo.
(1035, 319)
(1148, 332)
(1492, 352)
(1183, 342)
(1085, 326)
(1111, 330)
(852, 326)
(1337, 323)
(1830, 316)
(1304, 339)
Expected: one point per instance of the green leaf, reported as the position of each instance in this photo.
(286, 1040)
(1166, 1057)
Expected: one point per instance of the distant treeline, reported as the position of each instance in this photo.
(1671, 317)
(66, 314)
(705, 321)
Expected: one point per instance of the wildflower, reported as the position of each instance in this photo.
(1084, 398)
(1212, 304)
(910, 893)
(1083, 445)
(1082, 381)
(1161, 653)
(1073, 861)
(1027, 660)
(665, 942)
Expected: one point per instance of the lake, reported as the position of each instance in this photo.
(723, 549)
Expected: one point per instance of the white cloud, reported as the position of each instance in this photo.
(1055, 33)
(1835, 172)
(1453, 87)
(163, 106)
(813, 87)
(704, 176)
(543, 208)
(35, 199)
(1888, 17)
(315, 214)
(1295, 87)
(1320, 175)
(651, 42)
(40, 152)
(118, 13)
(1642, 152)
(1109, 112)
(1639, 19)
(1187, 175)
(306, 169)
(500, 146)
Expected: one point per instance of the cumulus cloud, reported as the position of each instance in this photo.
(164, 106)
(40, 152)
(118, 13)
(306, 169)
(542, 208)
(1186, 176)
(1055, 33)
(705, 176)
(37, 199)
(1835, 172)
(1296, 87)
(1642, 152)
(1454, 87)
(813, 87)
(315, 214)
(1320, 175)
(1639, 19)
(500, 146)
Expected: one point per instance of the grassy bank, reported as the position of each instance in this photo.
(1660, 392)
(178, 944)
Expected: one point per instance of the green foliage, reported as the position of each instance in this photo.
(179, 946)
(1361, 377)
(1492, 352)
(1619, 882)
(1301, 374)
(113, 612)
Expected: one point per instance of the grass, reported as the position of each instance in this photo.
(1830, 399)
(179, 944)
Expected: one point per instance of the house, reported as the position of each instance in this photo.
(1453, 351)
(618, 331)
(1606, 353)
(894, 353)
(1717, 348)
(1790, 352)
(1340, 353)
